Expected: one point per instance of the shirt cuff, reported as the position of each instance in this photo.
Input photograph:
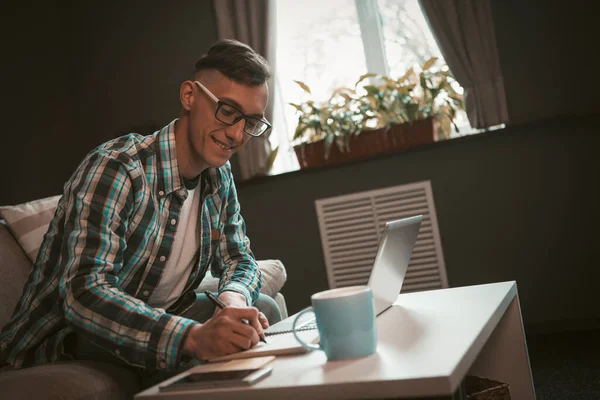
(166, 341)
(238, 288)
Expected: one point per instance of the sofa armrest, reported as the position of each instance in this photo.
(280, 300)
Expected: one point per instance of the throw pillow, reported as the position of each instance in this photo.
(28, 222)
(274, 276)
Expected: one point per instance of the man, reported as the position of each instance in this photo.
(140, 222)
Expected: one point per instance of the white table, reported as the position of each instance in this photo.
(427, 343)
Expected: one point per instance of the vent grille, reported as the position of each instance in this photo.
(351, 226)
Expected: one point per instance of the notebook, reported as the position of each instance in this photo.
(387, 275)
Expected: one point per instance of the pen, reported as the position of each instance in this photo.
(222, 305)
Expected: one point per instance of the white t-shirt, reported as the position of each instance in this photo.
(180, 263)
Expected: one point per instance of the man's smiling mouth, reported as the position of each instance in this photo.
(222, 145)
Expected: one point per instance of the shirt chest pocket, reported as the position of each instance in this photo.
(216, 222)
(216, 233)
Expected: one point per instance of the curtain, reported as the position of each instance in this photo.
(250, 21)
(465, 34)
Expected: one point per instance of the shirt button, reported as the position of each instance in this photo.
(173, 221)
(117, 352)
(162, 364)
(161, 193)
(162, 258)
(146, 293)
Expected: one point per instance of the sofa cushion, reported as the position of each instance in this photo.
(70, 380)
(29, 222)
(14, 270)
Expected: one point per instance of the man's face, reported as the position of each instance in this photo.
(213, 142)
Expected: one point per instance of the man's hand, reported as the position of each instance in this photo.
(223, 334)
(235, 299)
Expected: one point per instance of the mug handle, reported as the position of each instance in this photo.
(303, 343)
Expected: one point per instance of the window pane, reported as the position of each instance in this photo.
(318, 43)
(408, 41)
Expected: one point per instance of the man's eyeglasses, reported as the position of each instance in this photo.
(230, 115)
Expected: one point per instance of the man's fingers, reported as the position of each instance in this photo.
(235, 325)
(257, 324)
(243, 342)
(250, 314)
(244, 329)
(263, 320)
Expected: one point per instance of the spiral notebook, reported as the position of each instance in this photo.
(387, 276)
(285, 326)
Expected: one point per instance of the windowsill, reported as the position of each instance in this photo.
(467, 136)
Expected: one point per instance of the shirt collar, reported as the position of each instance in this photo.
(169, 167)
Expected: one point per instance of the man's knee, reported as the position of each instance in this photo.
(269, 307)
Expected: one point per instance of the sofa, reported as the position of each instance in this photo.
(21, 232)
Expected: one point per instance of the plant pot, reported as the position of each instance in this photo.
(368, 144)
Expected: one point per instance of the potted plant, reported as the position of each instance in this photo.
(384, 116)
(333, 121)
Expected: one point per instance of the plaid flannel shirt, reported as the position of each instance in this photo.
(105, 251)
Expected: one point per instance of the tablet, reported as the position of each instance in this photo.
(215, 379)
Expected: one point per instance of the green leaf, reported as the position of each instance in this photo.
(303, 86)
(372, 90)
(424, 82)
(342, 91)
(412, 111)
(429, 63)
(327, 145)
(458, 100)
(296, 106)
(406, 75)
(341, 144)
(300, 129)
(389, 82)
(272, 158)
(365, 76)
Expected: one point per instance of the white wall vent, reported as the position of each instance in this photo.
(351, 225)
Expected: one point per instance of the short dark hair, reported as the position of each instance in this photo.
(237, 61)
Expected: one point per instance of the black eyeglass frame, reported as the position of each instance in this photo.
(236, 120)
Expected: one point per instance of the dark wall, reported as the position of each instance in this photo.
(547, 54)
(37, 99)
(81, 73)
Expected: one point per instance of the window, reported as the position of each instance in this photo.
(328, 44)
